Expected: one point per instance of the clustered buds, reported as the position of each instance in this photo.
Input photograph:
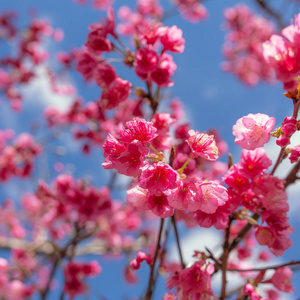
(283, 134)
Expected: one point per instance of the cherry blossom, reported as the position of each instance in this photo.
(203, 145)
(253, 131)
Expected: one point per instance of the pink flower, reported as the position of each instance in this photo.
(17, 290)
(254, 162)
(98, 43)
(171, 39)
(115, 94)
(159, 205)
(282, 279)
(277, 243)
(253, 131)
(112, 150)
(146, 60)
(213, 196)
(137, 197)
(158, 178)
(195, 281)
(86, 63)
(132, 159)
(186, 196)
(104, 74)
(75, 273)
(218, 219)
(165, 69)
(284, 57)
(102, 4)
(138, 129)
(203, 145)
(289, 126)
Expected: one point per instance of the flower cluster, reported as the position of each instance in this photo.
(283, 53)
(18, 69)
(17, 159)
(159, 187)
(193, 282)
(259, 192)
(243, 45)
(75, 273)
(284, 133)
(175, 175)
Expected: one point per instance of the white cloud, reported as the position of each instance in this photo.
(196, 239)
(39, 92)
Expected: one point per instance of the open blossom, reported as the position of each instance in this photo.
(159, 205)
(131, 160)
(146, 60)
(254, 162)
(112, 150)
(118, 92)
(165, 69)
(157, 178)
(253, 131)
(214, 195)
(104, 74)
(171, 39)
(138, 129)
(193, 282)
(277, 244)
(282, 279)
(203, 145)
(143, 200)
(186, 196)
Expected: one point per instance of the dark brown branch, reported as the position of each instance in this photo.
(225, 259)
(292, 176)
(177, 241)
(237, 240)
(150, 282)
(271, 12)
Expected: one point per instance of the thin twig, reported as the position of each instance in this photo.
(177, 241)
(270, 11)
(44, 293)
(225, 259)
(291, 263)
(237, 239)
(292, 176)
(150, 282)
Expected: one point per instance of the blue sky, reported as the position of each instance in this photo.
(212, 98)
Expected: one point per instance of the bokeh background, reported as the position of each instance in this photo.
(211, 97)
